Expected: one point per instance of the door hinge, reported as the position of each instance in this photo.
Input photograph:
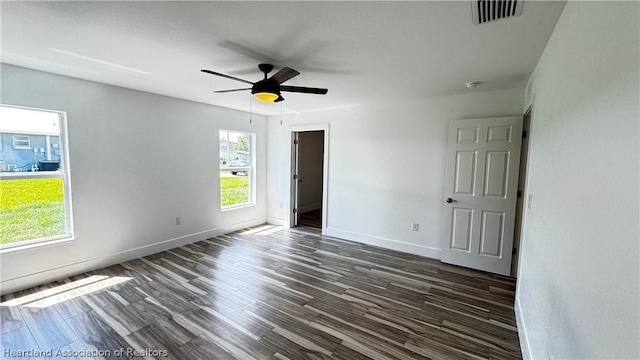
(524, 134)
(295, 211)
(515, 251)
(295, 142)
(519, 193)
(295, 176)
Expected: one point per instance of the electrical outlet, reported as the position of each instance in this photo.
(414, 226)
(281, 205)
(177, 220)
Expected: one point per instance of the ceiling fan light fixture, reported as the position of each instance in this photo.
(267, 90)
(266, 96)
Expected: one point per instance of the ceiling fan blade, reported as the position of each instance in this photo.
(226, 91)
(280, 98)
(285, 74)
(226, 76)
(306, 90)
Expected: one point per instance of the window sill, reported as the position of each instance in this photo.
(28, 245)
(237, 207)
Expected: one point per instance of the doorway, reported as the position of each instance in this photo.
(309, 157)
(308, 178)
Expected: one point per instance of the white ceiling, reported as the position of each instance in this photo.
(363, 52)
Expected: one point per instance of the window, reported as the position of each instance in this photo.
(35, 203)
(237, 164)
(21, 142)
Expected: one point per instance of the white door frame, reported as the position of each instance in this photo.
(289, 218)
(526, 190)
(524, 177)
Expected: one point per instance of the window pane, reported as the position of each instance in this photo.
(31, 209)
(31, 140)
(236, 165)
(235, 149)
(33, 182)
(234, 188)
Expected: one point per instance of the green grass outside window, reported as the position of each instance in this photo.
(234, 190)
(31, 209)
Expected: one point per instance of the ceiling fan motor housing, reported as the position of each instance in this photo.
(266, 86)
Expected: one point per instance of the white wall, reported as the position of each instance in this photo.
(386, 166)
(577, 294)
(310, 155)
(138, 160)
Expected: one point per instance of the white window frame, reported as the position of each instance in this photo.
(19, 143)
(62, 173)
(249, 170)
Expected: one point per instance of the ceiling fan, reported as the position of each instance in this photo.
(268, 89)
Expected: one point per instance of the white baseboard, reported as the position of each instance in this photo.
(385, 243)
(275, 221)
(307, 208)
(43, 277)
(522, 332)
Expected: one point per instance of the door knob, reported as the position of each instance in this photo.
(449, 200)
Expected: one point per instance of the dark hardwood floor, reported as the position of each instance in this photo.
(311, 219)
(267, 293)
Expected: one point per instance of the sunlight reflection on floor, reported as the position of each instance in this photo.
(58, 294)
(263, 230)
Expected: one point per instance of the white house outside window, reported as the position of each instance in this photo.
(237, 169)
(35, 205)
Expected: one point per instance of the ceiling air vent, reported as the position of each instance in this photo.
(485, 11)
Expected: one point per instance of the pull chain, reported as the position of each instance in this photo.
(250, 110)
(280, 113)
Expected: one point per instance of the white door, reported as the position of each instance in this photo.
(483, 157)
